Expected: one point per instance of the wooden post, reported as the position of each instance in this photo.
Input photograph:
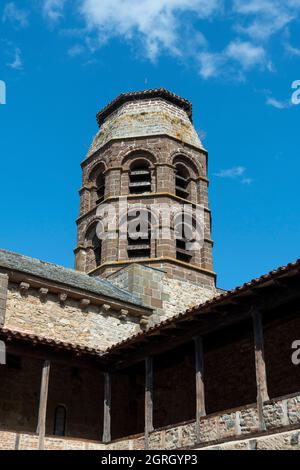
(200, 395)
(41, 429)
(107, 409)
(260, 367)
(148, 399)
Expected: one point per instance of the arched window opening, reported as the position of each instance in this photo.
(94, 245)
(139, 240)
(97, 248)
(60, 418)
(182, 182)
(140, 177)
(185, 238)
(100, 183)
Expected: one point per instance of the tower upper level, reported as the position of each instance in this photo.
(146, 113)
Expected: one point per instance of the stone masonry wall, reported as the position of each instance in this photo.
(3, 296)
(92, 326)
(146, 118)
(168, 296)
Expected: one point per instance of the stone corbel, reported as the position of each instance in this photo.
(43, 292)
(24, 288)
(84, 303)
(123, 314)
(144, 321)
(62, 299)
(105, 309)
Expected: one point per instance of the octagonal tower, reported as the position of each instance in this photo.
(148, 151)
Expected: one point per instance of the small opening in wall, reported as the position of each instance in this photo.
(60, 420)
(140, 177)
(182, 182)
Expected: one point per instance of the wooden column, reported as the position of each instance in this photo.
(41, 428)
(200, 395)
(148, 399)
(107, 409)
(260, 366)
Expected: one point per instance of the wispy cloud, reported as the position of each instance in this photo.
(231, 172)
(17, 63)
(76, 50)
(53, 9)
(270, 101)
(236, 172)
(17, 16)
(244, 54)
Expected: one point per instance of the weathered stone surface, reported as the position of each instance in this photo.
(146, 118)
(3, 296)
(67, 322)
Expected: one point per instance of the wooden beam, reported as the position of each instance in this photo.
(200, 395)
(260, 366)
(41, 428)
(107, 409)
(148, 399)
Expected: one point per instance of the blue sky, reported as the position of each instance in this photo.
(62, 61)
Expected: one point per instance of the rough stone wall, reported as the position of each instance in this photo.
(3, 296)
(239, 428)
(146, 118)
(92, 326)
(163, 292)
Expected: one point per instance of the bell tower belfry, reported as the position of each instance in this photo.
(145, 152)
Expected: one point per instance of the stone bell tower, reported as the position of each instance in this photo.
(148, 151)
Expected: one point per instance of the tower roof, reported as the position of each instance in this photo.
(145, 94)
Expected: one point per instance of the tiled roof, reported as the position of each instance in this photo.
(69, 277)
(9, 335)
(219, 299)
(138, 95)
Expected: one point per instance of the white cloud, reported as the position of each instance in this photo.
(244, 54)
(15, 15)
(157, 22)
(231, 172)
(277, 104)
(175, 27)
(260, 19)
(53, 9)
(17, 63)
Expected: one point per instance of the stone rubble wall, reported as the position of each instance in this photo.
(3, 296)
(92, 327)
